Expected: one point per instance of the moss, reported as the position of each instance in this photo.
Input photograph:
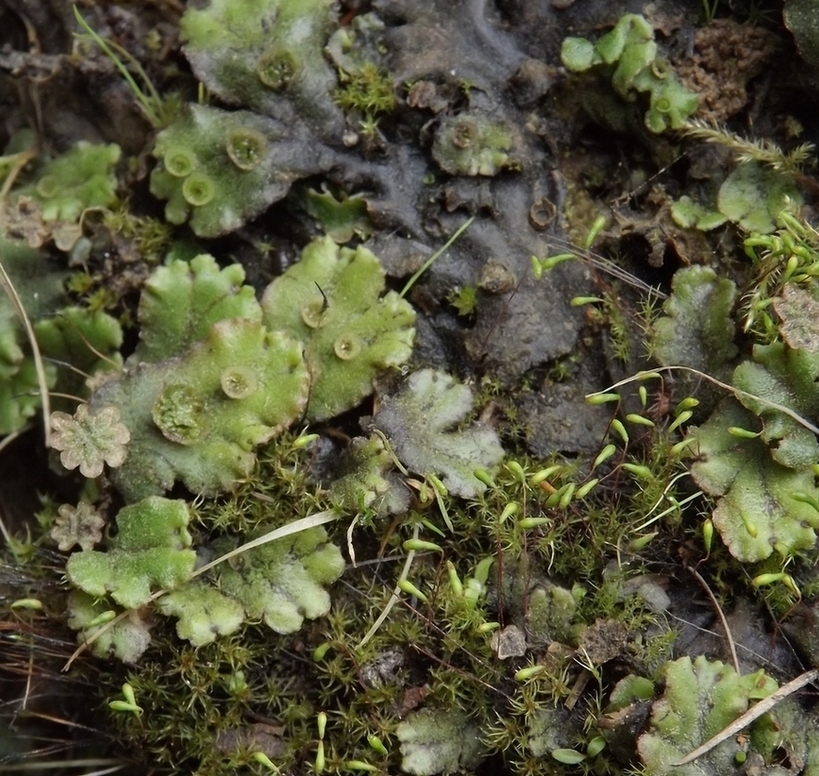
(268, 57)
(368, 91)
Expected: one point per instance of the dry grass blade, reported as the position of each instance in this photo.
(606, 266)
(394, 598)
(11, 292)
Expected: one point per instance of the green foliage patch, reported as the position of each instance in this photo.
(332, 301)
(221, 168)
(762, 505)
(266, 55)
(83, 177)
(630, 53)
(420, 422)
(199, 417)
(701, 697)
(152, 551)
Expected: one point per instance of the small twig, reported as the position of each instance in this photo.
(606, 265)
(753, 714)
(728, 637)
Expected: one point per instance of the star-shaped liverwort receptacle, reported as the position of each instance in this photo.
(90, 440)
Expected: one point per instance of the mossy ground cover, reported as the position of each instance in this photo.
(418, 388)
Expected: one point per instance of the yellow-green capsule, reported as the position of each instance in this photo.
(485, 477)
(554, 498)
(516, 469)
(263, 759)
(532, 522)
(619, 429)
(320, 651)
(597, 226)
(125, 706)
(679, 447)
(688, 403)
(580, 301)
(128, 694)
(419, 545)
(525, 674)
(708, 534)
(790, 583)
(304, 440)
(510, 509)
(602, 398)
(375, 742)
(586, 488)
(455, 583)
(641, 542)
(129, 704)
(639, 420)
(410, 589)
(768, 579)
(544, 474)
(683, 417)
(34, 604)
(643, 394)
(537, 268)
(752, 530)
(743, 433)
(792, 223)
(607, 452)
(567, 495)
(438, 484)
(321, 724)
(360, 765)
(791, 264)
(488, 627)
(639, 471)
(550, 262)
(102, 618)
